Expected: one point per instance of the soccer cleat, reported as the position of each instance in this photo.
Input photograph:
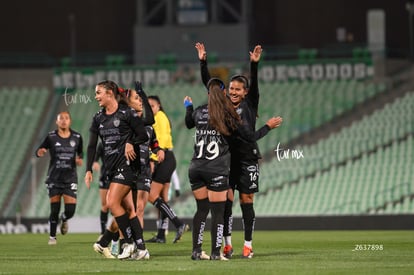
(196, 255)
(114, 247)
(64, 226)
(218, 257)
(121, 246)
(180, 231)
(127, 251)
(140, 254)
(52, 241)
(247, 252)
(104, 251)
(228, 251)
(155, 239)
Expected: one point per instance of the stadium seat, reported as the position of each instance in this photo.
(28, 105)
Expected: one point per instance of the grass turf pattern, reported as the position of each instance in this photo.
(275, 252)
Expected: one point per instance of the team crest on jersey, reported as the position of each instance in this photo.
(116, 122)
(72, 143)
(239, 111)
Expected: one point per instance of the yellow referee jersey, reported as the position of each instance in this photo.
(162, 128)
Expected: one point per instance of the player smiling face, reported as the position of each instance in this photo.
(102, 95)
(237, 92)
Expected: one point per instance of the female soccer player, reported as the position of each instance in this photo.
(119, 128)
(103, 187)
(137, 99)
(244, 171)
(65, 147)
(216, 123)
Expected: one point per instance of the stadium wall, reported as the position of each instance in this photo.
(180, 42)
(26, 78)
(278, 22)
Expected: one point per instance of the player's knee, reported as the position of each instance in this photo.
(113, 227)
(203, 207)
(246, 198)
(54, 211)
(140, 210)
(70, 210)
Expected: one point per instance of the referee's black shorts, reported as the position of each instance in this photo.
(164, 170)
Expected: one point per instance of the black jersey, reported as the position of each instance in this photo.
(145, 149)
(100, 156)
(211, 149)
(245, 147)
(63, 151)
(99, 153)
(115, 130)
(148, 119)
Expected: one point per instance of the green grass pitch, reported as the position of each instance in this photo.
(276, 252)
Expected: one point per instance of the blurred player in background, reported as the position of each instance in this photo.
(66, 152)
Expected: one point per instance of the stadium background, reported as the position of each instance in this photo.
(342, 83)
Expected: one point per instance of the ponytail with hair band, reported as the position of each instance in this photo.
(126, 92)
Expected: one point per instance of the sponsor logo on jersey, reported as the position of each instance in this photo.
(251, 168)
(120, 177)
(217, 181)
(253, 186)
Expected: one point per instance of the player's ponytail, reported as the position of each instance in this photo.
(221, 113)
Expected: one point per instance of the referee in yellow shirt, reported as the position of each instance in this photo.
(162, 172)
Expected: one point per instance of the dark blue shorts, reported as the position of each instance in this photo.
(164, 170)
